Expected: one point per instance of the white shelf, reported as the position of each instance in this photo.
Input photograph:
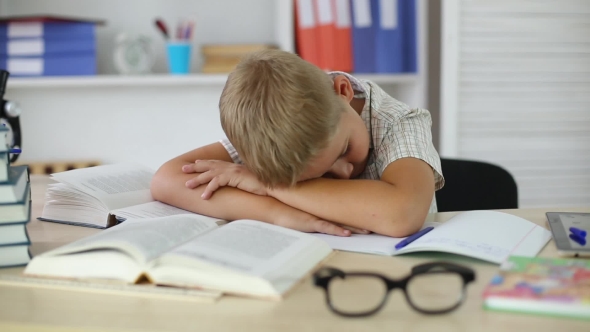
(115, 81)
(161, 80)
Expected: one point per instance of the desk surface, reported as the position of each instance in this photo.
(304, 309)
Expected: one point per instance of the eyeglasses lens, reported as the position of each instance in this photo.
(356, 294)
(435, 291)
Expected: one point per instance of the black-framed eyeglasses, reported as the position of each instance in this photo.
(431, 288)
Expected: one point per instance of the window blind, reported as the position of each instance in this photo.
(523, 94)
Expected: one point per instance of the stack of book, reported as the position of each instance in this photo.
(224, 58)
(15, 208)
(47, 46)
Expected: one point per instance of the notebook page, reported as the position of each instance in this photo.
(487, 235)
(367, 243)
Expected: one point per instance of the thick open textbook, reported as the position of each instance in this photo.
(101, 196)
(244, 257)
(487, 235)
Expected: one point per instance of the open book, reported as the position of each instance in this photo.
(487, 235)
(101, 196)
(245, 257)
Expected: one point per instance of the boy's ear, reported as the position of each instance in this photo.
(343, 87)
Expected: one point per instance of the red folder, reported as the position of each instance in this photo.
(342, 36)
(326, 29)
(306, 31)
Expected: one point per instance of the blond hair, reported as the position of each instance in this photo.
(279, 112)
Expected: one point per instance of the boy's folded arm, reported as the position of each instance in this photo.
(396, 205)
(168, 186)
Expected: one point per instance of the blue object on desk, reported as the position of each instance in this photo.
(412, 238)
(578, 239)
(578, 231)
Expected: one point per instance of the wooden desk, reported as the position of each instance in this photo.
(303, 310)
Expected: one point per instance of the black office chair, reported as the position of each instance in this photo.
(475, 185)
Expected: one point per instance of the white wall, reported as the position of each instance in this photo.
(145, 124)
(219, 21)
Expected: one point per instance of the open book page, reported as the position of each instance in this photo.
(246, 248)
(367, 243)
(153, 209)
(143, 239)
(487, 235)
(68, 204)
(117, 185)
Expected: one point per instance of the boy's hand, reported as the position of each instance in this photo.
(219, 173)
(305, 222)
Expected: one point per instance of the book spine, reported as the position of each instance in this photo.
(47, 30)
(41, 47)
(80, 64)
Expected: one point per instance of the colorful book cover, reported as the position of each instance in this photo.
(557, 287)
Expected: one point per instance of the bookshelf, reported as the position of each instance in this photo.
(109, 99)
(162, 80)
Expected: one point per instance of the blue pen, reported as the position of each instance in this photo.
(578, 231)
(15, 151)
(412, 238)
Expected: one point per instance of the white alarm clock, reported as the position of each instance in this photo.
(133, 54)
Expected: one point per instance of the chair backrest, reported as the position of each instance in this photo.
(475, 185)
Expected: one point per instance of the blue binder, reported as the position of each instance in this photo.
(408, 24)
(364, 19)
(388, 43)
(61, 30)
(52, 46)
(79, 64)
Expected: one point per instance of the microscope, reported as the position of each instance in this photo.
(9, 117)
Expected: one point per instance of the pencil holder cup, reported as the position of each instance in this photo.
(179, 58)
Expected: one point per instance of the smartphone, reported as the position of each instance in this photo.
(560, 223)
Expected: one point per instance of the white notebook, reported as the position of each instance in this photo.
(487, 235)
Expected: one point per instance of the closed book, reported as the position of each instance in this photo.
(218, 68)
(47, 47)
(3, 138)
(17, 255)
(222, 60)
(70, 65)
(232, 50)
(18, 212)
(14, 234)
(545, 286)
(388, 39)
(16, 188)
(4, 166)
(408, 19)
(306, 36)
(364, 20)
(46, 27)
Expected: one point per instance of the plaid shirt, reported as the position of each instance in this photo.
(398, 132)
